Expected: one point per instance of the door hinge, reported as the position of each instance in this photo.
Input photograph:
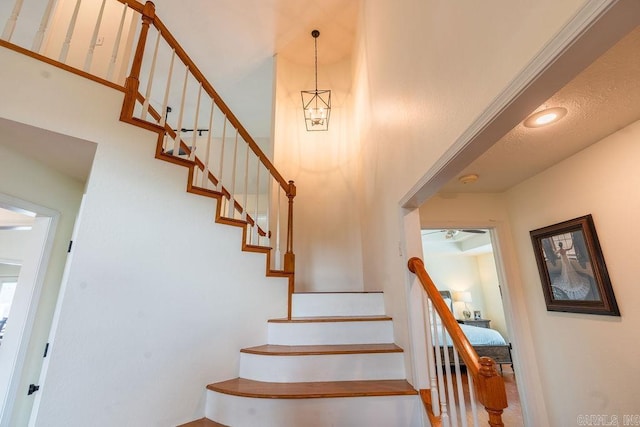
(46, 350)
(32, 389)
(70, 244)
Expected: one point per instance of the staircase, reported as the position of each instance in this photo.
(332, 364)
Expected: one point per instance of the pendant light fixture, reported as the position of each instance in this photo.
(316, 103)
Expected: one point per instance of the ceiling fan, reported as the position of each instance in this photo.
(450, 233)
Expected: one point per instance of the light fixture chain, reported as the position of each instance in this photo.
(315, 39)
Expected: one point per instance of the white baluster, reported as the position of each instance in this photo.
(44, 23)
(444, 412)
(165, 142)
(94, 39)
(163, 118)
(433, 380)
(231, 213)
(278, 252)
(176, 141)
(205, 174)
(256, 228)
(128, 47)
(116, 44)
(152, 72)
(267, 222)
(447, 365)
(70, 29)
(472, 399)
(246, 188)
(220, 169)
(11, 22)
(461, 400)
(192, 155)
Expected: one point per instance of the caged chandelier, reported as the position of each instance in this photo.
(316, 103)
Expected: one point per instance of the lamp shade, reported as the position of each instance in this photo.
(462, 297)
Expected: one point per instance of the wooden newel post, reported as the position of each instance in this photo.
(289, 256)
(491, 391)
(133, 81)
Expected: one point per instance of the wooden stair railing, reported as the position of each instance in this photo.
(487, 383)
(251, 193)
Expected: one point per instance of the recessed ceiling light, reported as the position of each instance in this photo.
(545, 117)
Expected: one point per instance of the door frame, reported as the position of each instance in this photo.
(22, 328)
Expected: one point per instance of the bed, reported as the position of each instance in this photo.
(486, 342)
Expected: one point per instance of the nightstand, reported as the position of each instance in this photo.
(481, 323)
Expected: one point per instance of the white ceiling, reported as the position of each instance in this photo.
(602, 99)
(240, 33)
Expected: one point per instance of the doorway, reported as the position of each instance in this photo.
(26, 236)
(463, 261)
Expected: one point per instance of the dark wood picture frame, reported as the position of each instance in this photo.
(572, 269)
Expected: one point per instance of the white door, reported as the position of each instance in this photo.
(34, 248)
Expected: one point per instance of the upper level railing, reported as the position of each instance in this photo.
(447, 396)
(124, 43)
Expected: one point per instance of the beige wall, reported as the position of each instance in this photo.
(420, 81)
(424, 70)
(324, 165)
(490, 285)
(587, 361)
(83, 33)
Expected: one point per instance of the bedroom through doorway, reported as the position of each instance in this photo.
(462, 262)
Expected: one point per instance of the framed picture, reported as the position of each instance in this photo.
(572, 269)
(477, 315)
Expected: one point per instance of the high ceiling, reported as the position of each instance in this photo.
(226, 38)
(602, 99)
(233, 42)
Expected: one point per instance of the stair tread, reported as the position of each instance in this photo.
(336, 292)
(308, 390)
(308, 350)
(332, 319)
(203, 422)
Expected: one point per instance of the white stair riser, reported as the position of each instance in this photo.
(337, 304)
(378, 411)
(326, 333)
(330, 367)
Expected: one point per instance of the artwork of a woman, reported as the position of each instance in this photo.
(572, 283)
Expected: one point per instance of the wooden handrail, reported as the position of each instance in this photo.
(133, 4)
(146, 10)
(132, 95)
(489, 384)
(195, 71)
